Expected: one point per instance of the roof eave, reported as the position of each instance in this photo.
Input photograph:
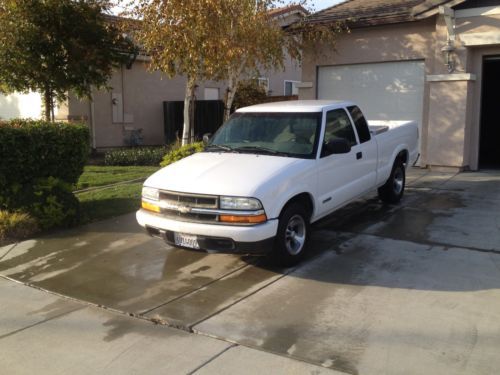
(368, 21)
(431, 7)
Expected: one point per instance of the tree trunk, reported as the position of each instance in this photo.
(232, 85)
(188, 101)
(47, 103)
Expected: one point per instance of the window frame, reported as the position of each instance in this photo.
(264, 82)
(356, 139)
(355, 125)
(292, 82)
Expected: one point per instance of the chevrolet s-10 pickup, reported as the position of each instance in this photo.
(270, 171)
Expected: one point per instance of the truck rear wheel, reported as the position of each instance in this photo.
(392, 191)
(291, 239)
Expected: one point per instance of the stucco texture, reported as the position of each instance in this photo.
(451, 102)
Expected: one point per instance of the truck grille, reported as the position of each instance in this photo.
(178, 206)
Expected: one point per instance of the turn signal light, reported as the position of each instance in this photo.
(243, 219)
(150, 207)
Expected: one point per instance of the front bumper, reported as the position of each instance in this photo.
(249, 239)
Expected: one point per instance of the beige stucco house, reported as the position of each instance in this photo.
(433, 61)
(136, 96)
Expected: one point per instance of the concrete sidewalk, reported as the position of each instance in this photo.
(42, 333)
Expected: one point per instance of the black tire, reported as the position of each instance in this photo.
(392, 191)
(291, 239)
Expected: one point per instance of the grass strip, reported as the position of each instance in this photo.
(102, 204)
(100, 175)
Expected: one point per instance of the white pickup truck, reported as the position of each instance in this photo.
(270, 171)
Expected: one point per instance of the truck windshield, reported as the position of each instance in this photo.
(281, 134)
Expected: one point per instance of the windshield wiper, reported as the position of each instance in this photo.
(261, 149)
(219, 148)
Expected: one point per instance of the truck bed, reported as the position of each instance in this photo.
(380, 126)
(378, 129)
(390, 134)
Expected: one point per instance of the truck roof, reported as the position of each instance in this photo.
(296, 106)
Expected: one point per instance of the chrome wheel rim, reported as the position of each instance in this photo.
(399, 179)
(295, 234)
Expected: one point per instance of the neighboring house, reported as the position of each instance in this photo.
(437, 62)
(27, 105)
(136, 98)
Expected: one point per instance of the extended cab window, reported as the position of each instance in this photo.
(338, 125)
(360, 123)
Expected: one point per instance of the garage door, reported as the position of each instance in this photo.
(384, 91)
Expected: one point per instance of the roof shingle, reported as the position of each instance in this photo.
(359, 13)
(287, 9)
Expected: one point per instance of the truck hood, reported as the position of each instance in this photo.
(221, 173)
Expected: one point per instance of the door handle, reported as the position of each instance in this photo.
(359, 155)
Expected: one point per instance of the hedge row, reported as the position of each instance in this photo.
(35, 149)
(135, 156)
(39, 163)
(154, 155)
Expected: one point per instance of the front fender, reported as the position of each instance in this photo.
(276, 192)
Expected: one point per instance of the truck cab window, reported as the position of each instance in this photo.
(338, 125)
(360, 123)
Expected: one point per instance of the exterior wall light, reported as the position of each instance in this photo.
(447, 51)
(449, 18)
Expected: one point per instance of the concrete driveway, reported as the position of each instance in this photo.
(412, 289)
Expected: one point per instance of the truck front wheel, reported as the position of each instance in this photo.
(291, 239)
(392, 191)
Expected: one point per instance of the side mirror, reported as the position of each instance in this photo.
(206, 138)
(336, 146)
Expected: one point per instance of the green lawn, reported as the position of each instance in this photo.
(99, 204)
(106, 202)
(109, 202)
(97, 175)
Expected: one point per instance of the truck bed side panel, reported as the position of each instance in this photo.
(401, 135)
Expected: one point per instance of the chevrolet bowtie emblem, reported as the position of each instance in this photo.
(184, 209)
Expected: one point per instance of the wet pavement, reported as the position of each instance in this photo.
(413, 288)
(41, 333)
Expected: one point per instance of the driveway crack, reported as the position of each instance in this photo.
(193, 290)
(286, 273)
(212, 359)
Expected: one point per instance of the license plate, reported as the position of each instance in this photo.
(186, 240)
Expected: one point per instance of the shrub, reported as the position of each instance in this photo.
(53, 204)
(34, 149)
(181, 152)
(40, 161)
(249, 92)
(16, 225)
(135, 156)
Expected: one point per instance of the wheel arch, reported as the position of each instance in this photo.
(305, 199)
(401, 153)
(404, 156)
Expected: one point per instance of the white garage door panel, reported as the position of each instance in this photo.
(384, 91)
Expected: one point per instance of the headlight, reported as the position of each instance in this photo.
(150, 193)
(237, 203)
